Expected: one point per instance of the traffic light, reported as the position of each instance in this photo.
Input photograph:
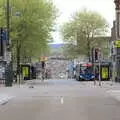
(3, 40)
(96, 54)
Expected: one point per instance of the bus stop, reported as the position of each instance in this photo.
(105, 70)
(25, 70)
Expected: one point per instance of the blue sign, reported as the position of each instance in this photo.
(4, 35)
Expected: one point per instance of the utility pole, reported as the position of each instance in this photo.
(112, 51)
(8, 23)
(8, 71)
(117, 42)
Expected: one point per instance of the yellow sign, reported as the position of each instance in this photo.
(25, 71)
(117, 43)
(44, 59)
(104, 73)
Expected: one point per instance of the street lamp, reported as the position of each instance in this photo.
(18, 52)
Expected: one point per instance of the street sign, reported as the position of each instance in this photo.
(117, 44)
(4, 34)
(105, 72)
(44, 58)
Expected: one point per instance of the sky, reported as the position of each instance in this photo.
(67, 7)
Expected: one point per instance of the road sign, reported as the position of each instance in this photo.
(117, 44)
(44, 58)
(4, 34)
(104, 72)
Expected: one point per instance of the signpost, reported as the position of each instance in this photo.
(43, 60)
(117, 47)
(99, 59)
(96, 57)
(93, 62)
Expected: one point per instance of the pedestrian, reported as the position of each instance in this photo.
(96, 74)
(15, 76)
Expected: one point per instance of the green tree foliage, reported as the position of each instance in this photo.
(84, 27)
(31, 22)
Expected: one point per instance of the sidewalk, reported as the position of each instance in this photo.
(4, 98)
(8, 93)
(112, 89)
(115, 94)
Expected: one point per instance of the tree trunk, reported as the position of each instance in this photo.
(18, 47)
(88, 48)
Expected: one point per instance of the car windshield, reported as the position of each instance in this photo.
(86, 70)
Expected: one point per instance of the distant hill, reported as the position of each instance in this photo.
(56, 46)
(56, 49)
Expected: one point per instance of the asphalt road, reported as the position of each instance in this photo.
(61, 100)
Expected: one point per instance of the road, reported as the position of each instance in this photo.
(61, 100)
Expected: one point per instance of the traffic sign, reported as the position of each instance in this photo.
(44, 58)
(117, 44)
(4, 34)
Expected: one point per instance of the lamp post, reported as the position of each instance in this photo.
(18, 47)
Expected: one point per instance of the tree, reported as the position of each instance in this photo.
(84, 27)
(31, 22)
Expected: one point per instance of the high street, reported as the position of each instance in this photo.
(60, 100)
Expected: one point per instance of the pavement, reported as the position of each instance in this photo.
(4, 98)
(61, 99)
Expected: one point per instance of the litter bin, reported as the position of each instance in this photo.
(105, 73)
(105, 70)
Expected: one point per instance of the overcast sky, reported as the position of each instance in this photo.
(66, 7)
